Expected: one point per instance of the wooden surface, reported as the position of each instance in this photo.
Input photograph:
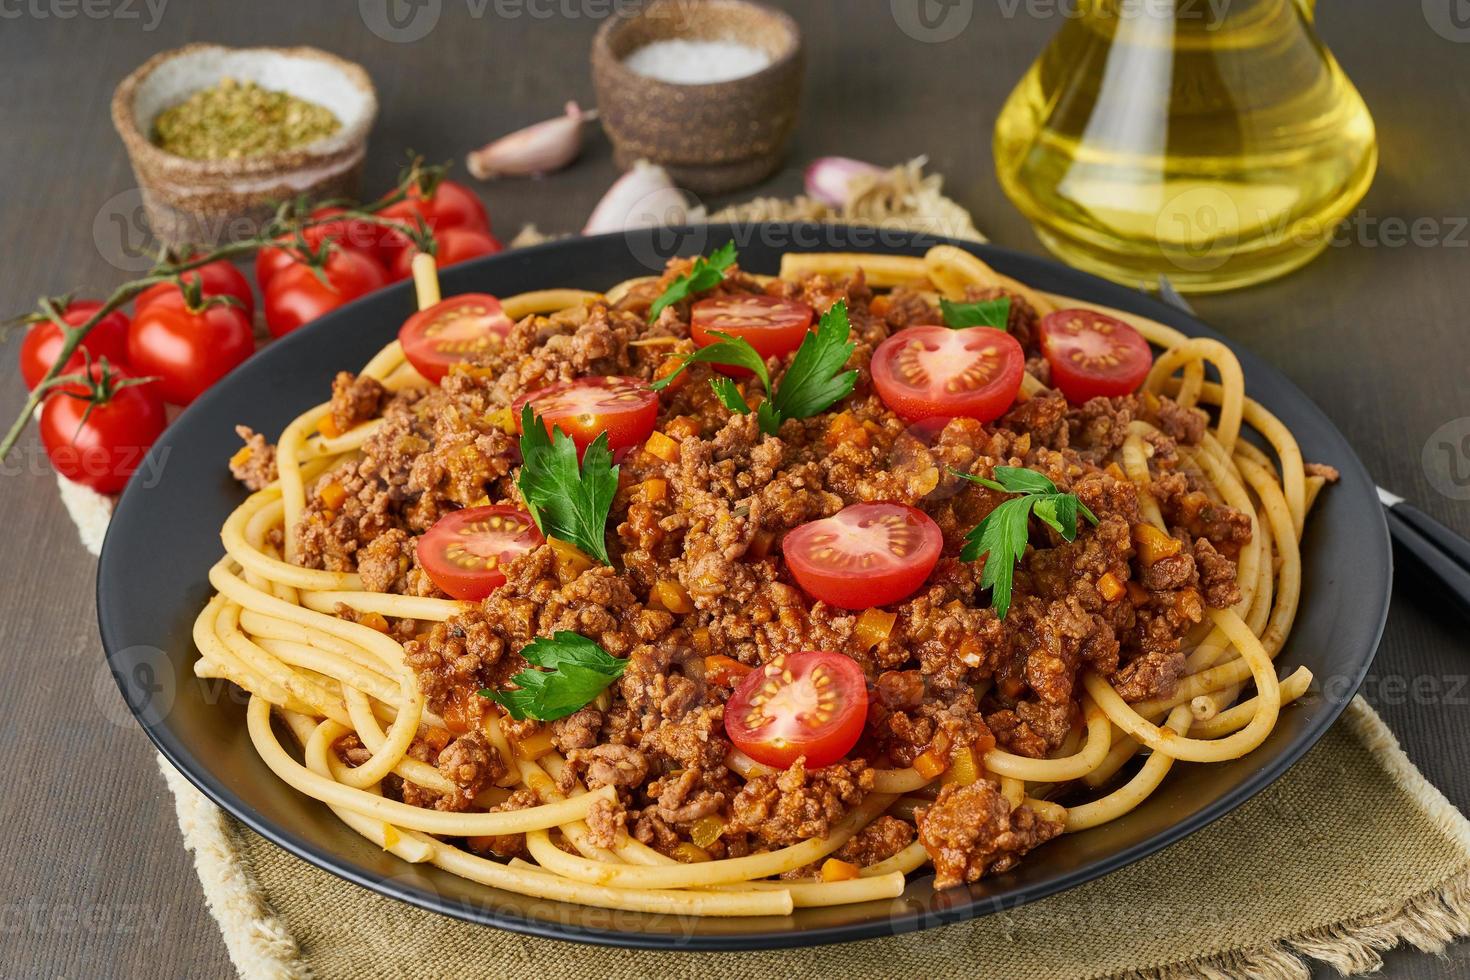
(94, 880)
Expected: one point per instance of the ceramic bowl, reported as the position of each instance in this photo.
(712, 137)
(207, 202)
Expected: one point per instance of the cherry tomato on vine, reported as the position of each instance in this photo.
(1092, 354)
(625, 408)
(464, 551)
(43, 341)
(296, 296)
(218, 278)
(96, 434)
(188, 350)
(452, 205)
(454, 245)
(771, 325)
(355, 234)
(457, 329)
(928, 372)
(811, 704)
(864, 555)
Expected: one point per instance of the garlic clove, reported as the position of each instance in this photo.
(828, 178)
(538, 149)
(644, 197)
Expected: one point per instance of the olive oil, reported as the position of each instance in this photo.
(1216, 142)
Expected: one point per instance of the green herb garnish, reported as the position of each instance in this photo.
(1002, 536)
(567, 501)
(813, 383)
(706, 273)
(577, 670)
(982, 313)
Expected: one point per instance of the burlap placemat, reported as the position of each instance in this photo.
(1352, 852)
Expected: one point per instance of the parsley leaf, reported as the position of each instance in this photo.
(1001, 538)
(729, 395)
(982, 313)
(706, 273)
(565, 500)
(815, 381)
(728, 350)
(577, 670)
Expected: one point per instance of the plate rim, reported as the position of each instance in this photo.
(1112, 294)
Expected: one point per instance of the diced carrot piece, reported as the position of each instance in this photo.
(1110, 588)
(837, 870)
(689, 853)
(720, 669)
(655, 490)
(662, 446)
(929, 764)
(873, 627)
(671, 595)
(1115, 471)
(671, 364)
(683, 427)
(1153, 545)
(571, 561)
(375, 621)
(333, 495)
(241, 457)
(328, 427)
(536, 745)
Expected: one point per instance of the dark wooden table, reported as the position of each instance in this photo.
(93, 880)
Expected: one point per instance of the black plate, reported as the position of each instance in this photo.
(165, 535)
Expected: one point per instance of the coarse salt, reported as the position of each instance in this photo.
(696, 62)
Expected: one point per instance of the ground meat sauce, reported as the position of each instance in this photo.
(711, 518)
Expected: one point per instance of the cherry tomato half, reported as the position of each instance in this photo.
(43, 341)
(1092, 354)
(296, 296)
(218, 278)
(625, 408)
(188, 351)
(936, 372)
(464, 551)
(864, 555)
(811, 704)
(772, 326)
(457, 329)
(101, 448)
(454, 244)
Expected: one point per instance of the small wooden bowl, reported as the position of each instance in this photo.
(206, 202)
(714, 137)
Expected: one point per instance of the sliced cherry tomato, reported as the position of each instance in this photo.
(935, 372)
(296, 296)
(811, 704)
(625, 408)
(355, 234)
(218, 278)
(1092, 354)
(772, 326)
(43, 341)
(464, 551)
(187, 350)
(98, 434)
(457, 329)
(454, 244)
(864, 555)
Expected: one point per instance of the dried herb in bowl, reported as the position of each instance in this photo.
(233, 119)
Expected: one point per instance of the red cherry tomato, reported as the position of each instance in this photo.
(455, 245)
(357, 235)
(218, 278)
(625, 408)
(457, 329)
(772, 326)
(101, 448)
(1092, 354)
(188, 351)
(43, 341)
(936, 372)
(451, 206)
(464, 551)
(864, 555)
(811, 704)
(296, 296)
